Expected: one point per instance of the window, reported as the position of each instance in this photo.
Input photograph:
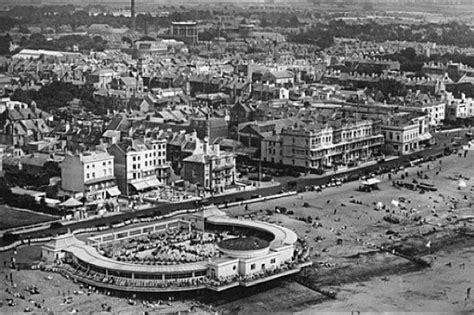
(235, 267)
(103, 163)
(93, 175)
(87, 175)
(273, 260)
(252, 267)
(110, 162)
(134, 158)
(87, 166)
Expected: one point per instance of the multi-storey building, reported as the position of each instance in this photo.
(181, 145)
(313, 146)
(422, 103)
(21, 123)
(459, 107)
(140, 164)
(186, 31)
(406, 134)
(89, 175)
(211, 168)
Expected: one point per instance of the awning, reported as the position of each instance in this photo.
(113, 192)
(71, 203)
(153, 182)
(425, 136)
(371, 181)
(140, 185)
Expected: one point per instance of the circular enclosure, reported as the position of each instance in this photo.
(244, 247)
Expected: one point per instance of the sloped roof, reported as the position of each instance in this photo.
(62, 241)
(71, 203)
(197, 158)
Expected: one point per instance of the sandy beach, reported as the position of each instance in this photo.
(346, 230)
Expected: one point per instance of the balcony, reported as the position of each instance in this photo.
(223, 167)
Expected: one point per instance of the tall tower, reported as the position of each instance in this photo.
(132, 14)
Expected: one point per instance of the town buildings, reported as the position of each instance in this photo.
(405, 134)
(21, 123)
(140, 164)
(434, 107)
(314, 146)
(211, 168)
(88, 175)
(185, 31)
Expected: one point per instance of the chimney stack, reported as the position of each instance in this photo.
(132, 14)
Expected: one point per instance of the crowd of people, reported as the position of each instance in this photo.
(165, 248)
(168, 194)
(100, 278)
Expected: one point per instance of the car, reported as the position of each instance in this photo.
(292, 184)
(317, 188)
(352, 164)
(318, 171)
(56, 225)
(294, 174)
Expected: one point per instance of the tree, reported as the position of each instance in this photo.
(367, 6)
(21, 96)
(127, 40)
(409, 53)
(5, 45)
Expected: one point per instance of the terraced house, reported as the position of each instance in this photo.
(316, 145)
(21, 123)
(140, 164)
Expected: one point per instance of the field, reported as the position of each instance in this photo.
(12, 217)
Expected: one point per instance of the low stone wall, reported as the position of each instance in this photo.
(254, 200)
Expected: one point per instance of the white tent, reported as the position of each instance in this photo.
(371, 182)
(71, 203)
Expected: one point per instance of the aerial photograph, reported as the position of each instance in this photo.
(237, 156)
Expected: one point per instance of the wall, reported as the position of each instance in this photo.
(72, 174)
(226, 269)
(120, 169)
(245, 265)
(195, 173)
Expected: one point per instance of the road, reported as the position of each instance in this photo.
(168, 208)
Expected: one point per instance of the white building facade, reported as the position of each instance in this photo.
(89, 175)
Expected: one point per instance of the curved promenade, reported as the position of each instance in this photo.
(87, 265)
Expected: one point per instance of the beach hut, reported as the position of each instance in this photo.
(73, 205)
(369, 184)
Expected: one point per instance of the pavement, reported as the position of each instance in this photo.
(301, 183)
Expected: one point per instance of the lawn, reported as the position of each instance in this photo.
(12, 217)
